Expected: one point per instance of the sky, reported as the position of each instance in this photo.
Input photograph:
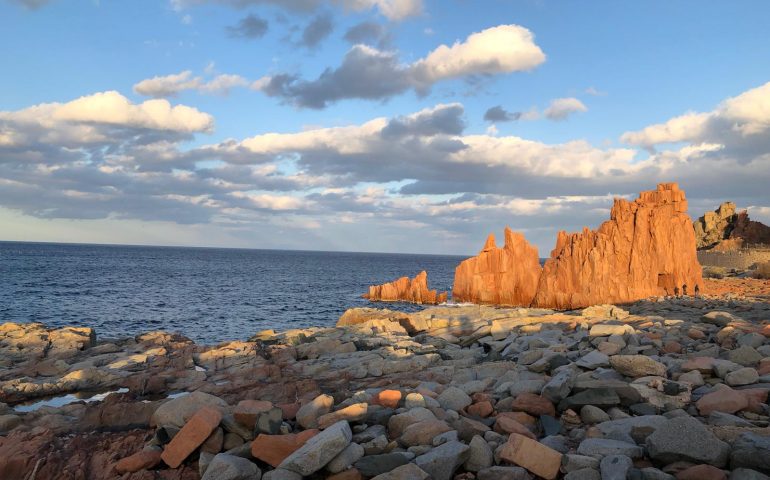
(415, 126)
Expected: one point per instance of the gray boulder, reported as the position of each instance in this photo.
(685, 438)
(319, 450)
(442, 462)
(230, 467)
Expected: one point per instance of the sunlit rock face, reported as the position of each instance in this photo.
(406, 290)
(725, 230)
(499, 276)
(646, 248)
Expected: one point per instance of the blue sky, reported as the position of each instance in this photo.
(577, 84)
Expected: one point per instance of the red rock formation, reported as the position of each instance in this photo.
(646, 248)
(751, 232)
(499, 276)
(406, 290)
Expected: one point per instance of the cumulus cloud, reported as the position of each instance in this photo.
(391, 9)
(499, 114)
(368, 33)
(369, 73)
(561, 108)
(249, 27)
(172, 85)
(317, 30)
(740, 122)
(417, 179)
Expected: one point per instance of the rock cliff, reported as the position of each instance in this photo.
(499, 276)
(724, 229)
(646, 248)
(406, 290)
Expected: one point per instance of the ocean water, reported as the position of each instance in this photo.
(208, 294)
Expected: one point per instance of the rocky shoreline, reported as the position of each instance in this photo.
(657, 389)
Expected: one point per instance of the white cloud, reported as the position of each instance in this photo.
(501, 49)
(369, 73)
(172, 85)
(561, 108)
(741, 120)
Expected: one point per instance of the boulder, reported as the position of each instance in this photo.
(442, 462)
(637, 366)
(751, 451)
(685, 438)
(178, 411)
(230, 467)
(532, 455)
(319, 450)
(308, 414)
(273, 449)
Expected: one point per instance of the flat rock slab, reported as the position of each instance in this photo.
(273, 449)
(319, 450)
(685, 438)
(191, 436)
(532, 455)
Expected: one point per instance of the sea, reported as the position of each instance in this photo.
(210, 295)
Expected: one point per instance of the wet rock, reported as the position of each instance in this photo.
(685, 438)
(319, 450)
(230, 467)
(442, 462)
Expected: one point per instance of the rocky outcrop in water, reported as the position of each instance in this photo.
(406, 290)
(646, 248)
(499, 276)
(725, 230)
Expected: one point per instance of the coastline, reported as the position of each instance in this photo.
(495, 374)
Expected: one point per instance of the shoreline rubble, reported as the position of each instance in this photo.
(656, 389)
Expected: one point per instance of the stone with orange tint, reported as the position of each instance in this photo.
(247, 411)
(539, 459)
(387, 398)
(273, 449)
(191, 436)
